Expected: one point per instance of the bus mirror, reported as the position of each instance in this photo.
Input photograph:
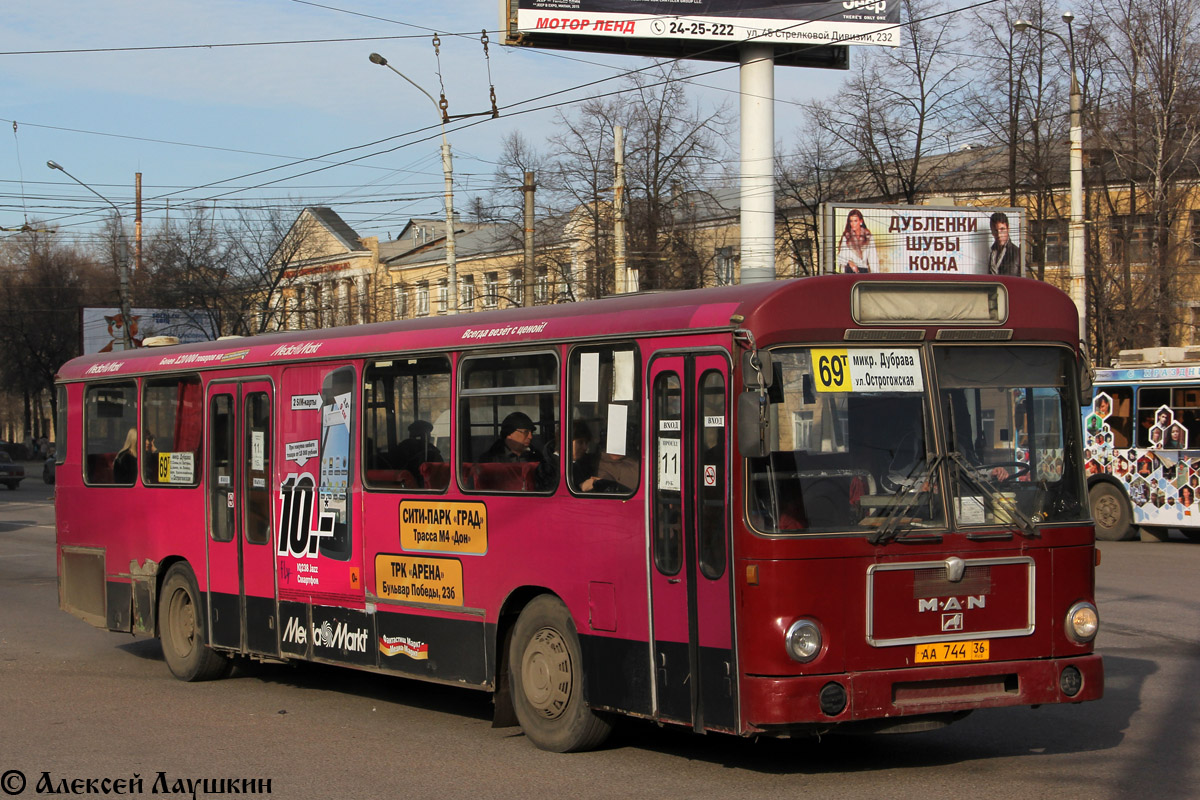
(754, 425)
(1086, 371)
(757, 369)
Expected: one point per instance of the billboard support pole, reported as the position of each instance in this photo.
(757, 77)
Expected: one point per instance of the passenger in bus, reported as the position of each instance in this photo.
(125, 464)
(150, 456)
(515, 444)
(581, 453)
(615, 473)
(417, 449)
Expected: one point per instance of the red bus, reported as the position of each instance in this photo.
(836, 502)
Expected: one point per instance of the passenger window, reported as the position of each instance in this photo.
(604, 432)
(508, 423)
(111, 444)
(406, 424)
(172, 421)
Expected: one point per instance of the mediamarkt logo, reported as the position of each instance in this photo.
(301, 349)
(326, 635)
(107, 366)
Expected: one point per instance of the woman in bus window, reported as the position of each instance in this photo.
(125, 463)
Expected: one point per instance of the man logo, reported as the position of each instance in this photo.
(952, 622)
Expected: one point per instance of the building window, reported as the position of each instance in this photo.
(541, 287)
(443, 296)
(468, 292)
(491, 289)
(400, 302)
(1130, 237)
(423, 299)
(1049, 237)
(1194, 237)
(723, 266)
(516, 288)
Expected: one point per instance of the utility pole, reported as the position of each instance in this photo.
(757, 78)
(624, 280)
(137, 225)
(527, 272)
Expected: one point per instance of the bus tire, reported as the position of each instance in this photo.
(546, 672)
(1110, 510)
(181, 629)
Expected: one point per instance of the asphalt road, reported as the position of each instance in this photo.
(79, 703)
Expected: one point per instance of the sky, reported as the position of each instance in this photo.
(110, 88)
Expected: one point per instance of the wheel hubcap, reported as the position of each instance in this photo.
(1106, 511)
(546, 673)
(183, 623)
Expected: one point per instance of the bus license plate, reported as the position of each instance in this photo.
(952, 651)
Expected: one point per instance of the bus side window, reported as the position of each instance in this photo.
(604, 429)
(1149, 401)
(406, 424)
(1120, 420)
(109, 416)
(508, 431)
(172, 421)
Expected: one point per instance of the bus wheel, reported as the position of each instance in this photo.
(1110, 510)
(181, 629)
(546, 671)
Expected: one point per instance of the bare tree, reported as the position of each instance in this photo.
(43, 287)
(811, 176)
(1149, 126)
(900, 103)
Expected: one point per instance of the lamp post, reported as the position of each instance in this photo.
(447, 169)
(122, 256)
(1075, 241)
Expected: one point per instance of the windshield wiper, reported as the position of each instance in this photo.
(1000, 501)
(915, 492)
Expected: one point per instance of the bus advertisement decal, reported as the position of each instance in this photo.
(410, 579)
(868, 370)
(457, 528)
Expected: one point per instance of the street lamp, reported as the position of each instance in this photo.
(1075, 241)
(122, 256)
(447, 169)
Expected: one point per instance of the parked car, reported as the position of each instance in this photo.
(11, 473)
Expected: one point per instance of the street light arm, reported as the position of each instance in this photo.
(375, 58)
(59, 167)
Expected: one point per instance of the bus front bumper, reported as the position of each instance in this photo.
(779, 705)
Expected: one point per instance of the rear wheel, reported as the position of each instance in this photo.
(181, 628)
(1110, 510)
(546, 671)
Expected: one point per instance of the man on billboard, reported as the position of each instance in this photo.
(1005, 257)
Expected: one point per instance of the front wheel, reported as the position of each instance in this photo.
(546, 670)
(1110, 510)
(181, 629)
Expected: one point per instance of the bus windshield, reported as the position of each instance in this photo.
(1012, 433)
(860, 447)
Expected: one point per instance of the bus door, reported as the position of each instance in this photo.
(241, 574)
(691, 642)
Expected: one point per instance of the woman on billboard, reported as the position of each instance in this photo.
(856, 250)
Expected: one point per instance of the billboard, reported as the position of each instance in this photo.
(805, 33)
(925, 240)
(104, 328)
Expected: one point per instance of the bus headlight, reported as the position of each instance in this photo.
(803, 640)
(1082, 622)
